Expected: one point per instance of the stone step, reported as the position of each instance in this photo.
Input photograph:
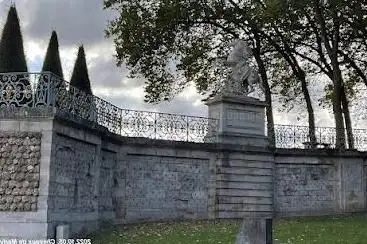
(247, 178)
(240, 200)
(244, 185)
(253, 157)
(244, 171)
(243, 214)
(245, 207)
(244, 193)
(247, 163)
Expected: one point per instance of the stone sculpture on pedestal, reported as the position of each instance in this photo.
(241, 117)
(243, 77)
(242, 123)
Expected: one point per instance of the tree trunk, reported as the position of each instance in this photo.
(265, 83)
(269, 114)
(269, 106)
(348, 122)
(337, 109)
(301, 76)
(332, 51)
(311, 117)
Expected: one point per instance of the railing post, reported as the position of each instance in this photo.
(294, 137)
(187, 128)
(155, 125)
(49, 96)
(33, 86)
(217, 130)
(120, 121)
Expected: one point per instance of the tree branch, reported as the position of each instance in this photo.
(319, 42)
(355, 66)
(323, 69)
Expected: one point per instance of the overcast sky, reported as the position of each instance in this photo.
(83, 22)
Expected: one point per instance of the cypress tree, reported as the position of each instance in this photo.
(12, 59)
(80, 78)
(51, 63)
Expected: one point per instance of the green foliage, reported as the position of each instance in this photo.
(173, 43)
(12, 58)
(170, 43)
(321, 33)
(338, 24)
(52, 61)
(80, 78)
(191, 36)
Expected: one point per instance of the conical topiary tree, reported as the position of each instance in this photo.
(52, 61)
(12, 59)
(52, 64)
(80, 78)
(80, 89)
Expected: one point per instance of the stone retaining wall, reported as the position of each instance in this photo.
(318, 185)
(305, 185)
(56, 171)
(106, 186)
(166, 187)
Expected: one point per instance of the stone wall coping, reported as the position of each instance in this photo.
(319, 152)
(12, 113)
(5, 134)
(123, 140)
(210, 147)
(236, 100)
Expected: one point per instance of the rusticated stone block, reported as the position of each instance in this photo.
(19, 171)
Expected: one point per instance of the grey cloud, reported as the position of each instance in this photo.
(177, 106)
(180, 106)
(104, 73)
(76, 21)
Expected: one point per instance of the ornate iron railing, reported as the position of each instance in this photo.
(293, 136)
(47, 89)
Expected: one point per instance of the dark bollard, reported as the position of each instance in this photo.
(269, 231)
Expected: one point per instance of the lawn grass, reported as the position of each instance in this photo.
(346, 230)
(323, 230)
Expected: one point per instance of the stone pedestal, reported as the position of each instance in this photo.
(254, 231)
(62, 232)
(241, 120)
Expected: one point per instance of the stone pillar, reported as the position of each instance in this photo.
(238, 191)
(241, 120)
